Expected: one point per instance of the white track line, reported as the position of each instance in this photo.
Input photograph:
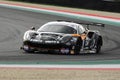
(61, 66)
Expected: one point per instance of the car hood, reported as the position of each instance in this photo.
(49, 36)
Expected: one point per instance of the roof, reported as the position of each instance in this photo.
(74, 25)
(70, 24)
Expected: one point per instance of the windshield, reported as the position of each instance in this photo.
(58, 29)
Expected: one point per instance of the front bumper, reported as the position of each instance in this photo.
(47, 46)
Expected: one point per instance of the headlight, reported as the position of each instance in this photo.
(26, 36)
(29, 35)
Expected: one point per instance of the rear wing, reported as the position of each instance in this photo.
(93, 24)
(87, 24)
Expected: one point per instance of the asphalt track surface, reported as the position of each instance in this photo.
(13, 24)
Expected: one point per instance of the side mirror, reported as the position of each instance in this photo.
(32, 28)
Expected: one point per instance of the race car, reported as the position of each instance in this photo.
(64, 37)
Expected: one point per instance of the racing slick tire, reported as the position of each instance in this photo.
(99, 44)
(78, 46)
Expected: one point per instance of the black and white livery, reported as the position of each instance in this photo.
(63, 37)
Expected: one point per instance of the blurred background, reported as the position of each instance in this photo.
(102, 5)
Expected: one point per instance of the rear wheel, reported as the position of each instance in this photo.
(98, 49)
(99, 44)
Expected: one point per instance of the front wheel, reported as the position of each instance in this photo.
(78, 45)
